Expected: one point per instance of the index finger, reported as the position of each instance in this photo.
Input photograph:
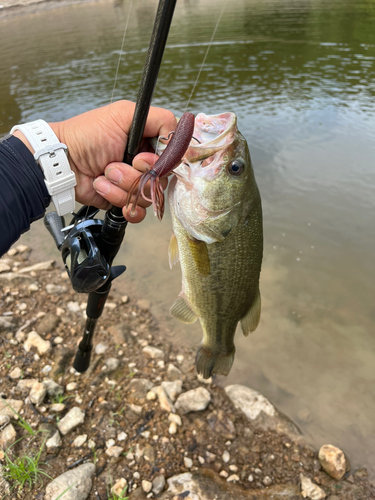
(160, 121)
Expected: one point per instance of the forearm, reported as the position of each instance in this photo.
(23, 193)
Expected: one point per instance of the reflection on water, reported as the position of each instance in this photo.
(300, 77)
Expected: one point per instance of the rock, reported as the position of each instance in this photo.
(74, 484)
(267, 481)
(194, 400)
(38, 393)
(15, 278)
(158, 484)
(58, 340)
(73, 307)
(114, 451)
(34, 340)
(46, 369)
(110, 443)
(53, 389)
(224, 474)
(146, 486)
(151, 396)
(10, 407)
(261, 412)
(121, 436)
(136, 409)
(80, 440)
(4, 267)
(139, 387)
(57, 407)
(332, 460)
(173, 417)
(164, 401)
(173, 389)
(153, 352)
(72, 386)
(55, 289)
(173, 373)
(144, 304)
(4, 420)
(311, 490)
(226, 457)
(6, 324)
(172, 428)
(120, 333)
(33, 287)
(15, 373)
(149, 453)
(100, 348)
(112, 364)
(54, 442)
(41, 266)
(206, 484)
(72, 419)
(48, 324)
(7, 436)
(124, 299)
(120, 487)
(188, 462)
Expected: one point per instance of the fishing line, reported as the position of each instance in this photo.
(206, 54)
(122, 46)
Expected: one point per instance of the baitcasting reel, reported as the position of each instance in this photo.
(79, 244)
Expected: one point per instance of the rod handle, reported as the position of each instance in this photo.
(54, 224)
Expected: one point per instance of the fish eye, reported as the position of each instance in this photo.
(236, 167)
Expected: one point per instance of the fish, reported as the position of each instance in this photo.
(217, 236)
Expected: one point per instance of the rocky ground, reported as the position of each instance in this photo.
(139, 423)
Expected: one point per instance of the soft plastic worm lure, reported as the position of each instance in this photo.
(168, 160)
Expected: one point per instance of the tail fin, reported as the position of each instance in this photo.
(208, 363)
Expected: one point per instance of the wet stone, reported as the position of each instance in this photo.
(332, 460)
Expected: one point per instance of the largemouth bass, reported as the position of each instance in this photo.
(217, 224)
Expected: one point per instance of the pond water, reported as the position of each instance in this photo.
(300, 76)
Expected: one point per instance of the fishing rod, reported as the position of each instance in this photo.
(89, 246)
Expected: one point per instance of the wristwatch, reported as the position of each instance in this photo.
(52, 157)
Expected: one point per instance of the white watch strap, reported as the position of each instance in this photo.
(52, 157)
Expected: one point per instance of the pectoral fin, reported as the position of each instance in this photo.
(250, 321)
(199, 253)
(182, 311)
(173, 253)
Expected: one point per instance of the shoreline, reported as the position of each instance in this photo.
(140, 418)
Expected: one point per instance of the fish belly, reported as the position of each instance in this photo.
(224, 295)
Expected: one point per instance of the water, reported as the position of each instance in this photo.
(300, 77)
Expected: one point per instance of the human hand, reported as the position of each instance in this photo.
(96, 142)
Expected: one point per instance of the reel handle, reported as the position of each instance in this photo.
(54, 224)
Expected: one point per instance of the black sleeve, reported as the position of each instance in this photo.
(23, 193)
